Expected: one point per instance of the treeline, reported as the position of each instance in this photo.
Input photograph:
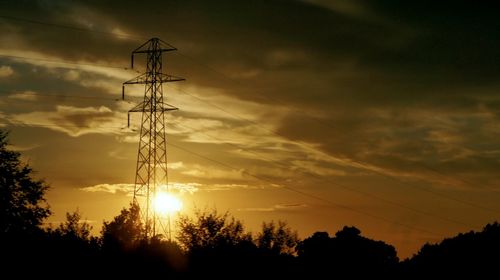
(216, 246)
(210, 245)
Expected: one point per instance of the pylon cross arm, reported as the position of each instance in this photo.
(160, 78)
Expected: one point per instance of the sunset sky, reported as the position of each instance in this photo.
(384, 115)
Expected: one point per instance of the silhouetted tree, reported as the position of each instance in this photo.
(74, 228)
(277, 238)
(71, 247)
(157, 257)
(217, 245)
(22, 202)
(125, 231)
(129, 254)
(467, 254)
(276, 251)
(210, 230)
(347, 254)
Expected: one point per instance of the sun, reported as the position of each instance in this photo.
(165, 203)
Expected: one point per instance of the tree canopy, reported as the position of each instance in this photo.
(210, 230)
(22, 198)
(473, 253)
(74, 227)
(210, 244)
(348, 253)
(125, 230)
(277, 238)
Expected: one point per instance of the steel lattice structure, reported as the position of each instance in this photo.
(151, 171)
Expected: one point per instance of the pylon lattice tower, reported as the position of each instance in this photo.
(151, 172)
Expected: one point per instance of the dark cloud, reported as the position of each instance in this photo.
(363, 80)
(332, 88)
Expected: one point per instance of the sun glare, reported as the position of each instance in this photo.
(165, 203)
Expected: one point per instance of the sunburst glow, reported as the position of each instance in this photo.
(166, 203)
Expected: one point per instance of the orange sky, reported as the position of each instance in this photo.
(320, 113)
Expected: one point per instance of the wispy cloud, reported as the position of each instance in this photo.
(74, 121)
(227, 187)
(347, 7)
(176, 165)
(71, 75)
(212, 172)
(23, 148)
(24, 95)
(190, 188)
(276, 208)
(257, 209)
(68, 68)
(315, 168)
(127, 189)
(182, 188)
(6, 71)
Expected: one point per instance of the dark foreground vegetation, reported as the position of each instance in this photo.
(209, 246)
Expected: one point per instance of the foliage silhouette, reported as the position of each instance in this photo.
(71, 246)
(74, 228)
(348, 254)
(22, 203)
(277, 238)
(474, 254)
(210, 245)
(125, 231)
(213, 241)
(218, 242)
(22, 210)
(210, 230)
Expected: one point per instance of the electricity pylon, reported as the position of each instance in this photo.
(151, 172)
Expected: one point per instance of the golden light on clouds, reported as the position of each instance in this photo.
(408, 135)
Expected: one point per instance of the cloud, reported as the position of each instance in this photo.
(117, 154)
(6, 71)
(22, 148)
(276, 208)
(190, 188)
(212, 172)
(347, 7)
(176, 165)
(315, 168)
(127, 189)
(290, 206)
(71, 75)
(182, 188)
(25, 96)
(257, 209)
(74, 121)
(357, 102)
(227, 187)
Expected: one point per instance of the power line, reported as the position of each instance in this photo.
(306, 145)
(71, 27)
(270, 161)
(254, 123)
(326, 179)
(76, 28)
(58, 96)
(435, 170)
(335, 204)
(63, 61)
(107, 128)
